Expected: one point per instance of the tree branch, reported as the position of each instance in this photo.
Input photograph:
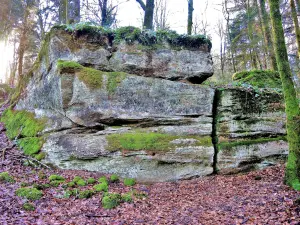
(142, 4)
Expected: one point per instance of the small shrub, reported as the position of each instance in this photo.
(129, 182)
(55, 177)
(103, 179)
(29, 193)
(91, 180)
(101, 187)
(28, 207)
(86, 194)
(114, 178)
(5, 177)
(111, 200)
(127, 197)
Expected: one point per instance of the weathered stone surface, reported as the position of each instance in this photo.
(245, 114)
(90, 152)
(165, 62)
(232, 159)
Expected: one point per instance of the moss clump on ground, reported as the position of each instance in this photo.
(21, 123)
(31, 145)
(5, 177)
(259, 78)
(56, 183)
(114, 178)
(29, 193)
(86, 194)
(127, 197)
(54, 177)
(101, 187)
(28, 207)
(103, 179)
(79, 181)
(91, 180)
(41, 186)
(150, 141)
(111, 200)
(129, 182)
(71, 184)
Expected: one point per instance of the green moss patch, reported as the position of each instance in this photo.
(91, 180)
(114, 80)
(129, 182)
(54, 177)
(86, 194)
(5, 177)
(29, 193)
(114, 178)
(79, 181)
(21, 123)
(259, 78)
(151, 141)
(229, 145)
(31, 145)
(101, 187)
(28, 207)
(111, 200)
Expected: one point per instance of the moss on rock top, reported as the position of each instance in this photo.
(259, 78)
(145, 37)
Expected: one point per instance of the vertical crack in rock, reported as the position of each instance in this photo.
(214, 135)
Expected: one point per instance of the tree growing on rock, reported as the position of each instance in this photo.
(190, 16)
(69, 11)
(149, 13)
(292, 173)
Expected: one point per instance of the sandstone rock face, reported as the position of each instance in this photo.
(250, 129)
(123, 110)
(167, 63)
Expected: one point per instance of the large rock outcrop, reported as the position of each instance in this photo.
(140, 112)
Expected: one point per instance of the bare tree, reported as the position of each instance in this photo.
(161, 15)
(190, 16)
(149, 13)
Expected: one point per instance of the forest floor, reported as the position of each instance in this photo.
(257, 197)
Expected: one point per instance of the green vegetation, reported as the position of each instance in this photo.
(5, 177)
(114, 178)
(29, 193)
(114, 80)
(127, 197)
(42, 175)
(21, 123)
(101, 187)
(292, 174)
(79, 181)
(68, 66)
(41, 186)
(31, 145)
(91, 180)
(86, 194)
(229, 145)
(259, 78)
(54, 177)
(103, 179)
(56, 183)
(71, 184)
(129, 182)
(149, 141)
(28, 207)
(40, 156)
(111, 200)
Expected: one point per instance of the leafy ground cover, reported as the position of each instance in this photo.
(257, 197)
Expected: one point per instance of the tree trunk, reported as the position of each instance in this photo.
(104, 13)
(291, 103)
(253, 54)
(63, 11)
(190, 16)
(267, 35)
(75, 18)
(149, 11)
(296, 24)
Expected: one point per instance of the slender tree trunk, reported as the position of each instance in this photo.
(253, 53)
(75, 12)
(291, 102)
(267, 35)
(63, 11)
(296, 24)
(190, 16)
(23, 42)
(104, 13)
(298, 6)
(265, 48)
(149, 11)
